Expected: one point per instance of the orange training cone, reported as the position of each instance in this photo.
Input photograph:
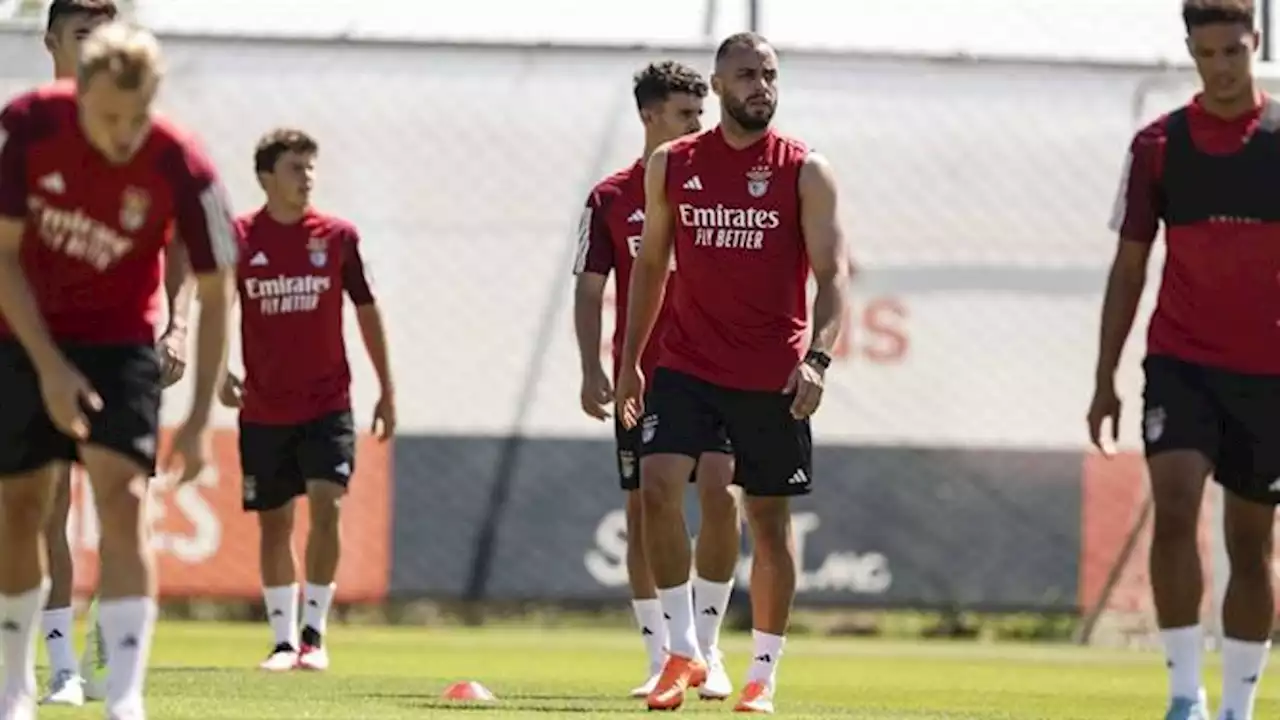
(468, 691)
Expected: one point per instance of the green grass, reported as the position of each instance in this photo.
(203, 671)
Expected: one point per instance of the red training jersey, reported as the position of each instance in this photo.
(95, 231)
(608, 241)
(291, 282)
(740, 315)
(1211, 182)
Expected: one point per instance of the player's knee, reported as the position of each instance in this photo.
(634, 514)
(662, 481)
(719, 505)
(1249, 537)
(276, 526)
(325, 502)
(24, 504)
(770, 520)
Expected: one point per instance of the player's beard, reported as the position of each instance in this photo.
(751, 123)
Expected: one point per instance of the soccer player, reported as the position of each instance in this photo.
(1212, 397)
(297, 435)
(69, 23)
(669, 97)
(90, 183)
(748, 212)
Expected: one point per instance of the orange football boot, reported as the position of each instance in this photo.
(756, 698)
(679, 674)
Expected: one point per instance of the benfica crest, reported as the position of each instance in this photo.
(318, 248)
(134, 204)
(758, 180)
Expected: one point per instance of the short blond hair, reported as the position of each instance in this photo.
(127, 53)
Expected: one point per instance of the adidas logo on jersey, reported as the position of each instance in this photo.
(693, 183)
(258, 260)
(636, 217)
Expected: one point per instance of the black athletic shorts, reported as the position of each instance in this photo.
(277, 461)
(126, 377)
(1233, 419)
(773, 452)
(630, 449)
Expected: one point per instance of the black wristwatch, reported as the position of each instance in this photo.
(818, 359)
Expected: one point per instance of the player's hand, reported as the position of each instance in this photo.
(806, 383)
(384, 418)
(597, 393)
(173, 356)
(190, 451)
(231, 394)
(1104, 406)
(628, 396)
(67, 396)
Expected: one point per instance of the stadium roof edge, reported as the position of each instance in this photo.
(958, 58)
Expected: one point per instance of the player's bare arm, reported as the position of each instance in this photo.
(207, 231)
(588, 306)
(1136, 222)
(179, 290)
(648, 284)
(594, 262)
(66, 392)
(825, 243)
(374, 334)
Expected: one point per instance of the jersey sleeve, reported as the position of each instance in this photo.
(355, 274)
(203, 221)
(595, 248)
(15, 135)
(1139, 199)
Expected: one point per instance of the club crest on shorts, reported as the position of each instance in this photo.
(318, 248)
(134, 204)
(627, 464)
(249, 488)
(1153, 424)
(758, 180)
(648, 428)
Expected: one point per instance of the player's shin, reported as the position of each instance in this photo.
(24, 585)
(127, 610)
(667, 546)
(324, 546)
(716, 552)
(1249, 606)
(58, 615)
(644, 603)
(773, 584)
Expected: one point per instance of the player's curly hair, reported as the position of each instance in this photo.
(278, 142)
(60, 10)
(1197, 13)
(659, 81)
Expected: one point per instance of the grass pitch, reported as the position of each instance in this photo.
(204, 671)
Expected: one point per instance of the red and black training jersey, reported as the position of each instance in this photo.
(92, 250)
(1215, 185)
(292, 279)
(740, 316)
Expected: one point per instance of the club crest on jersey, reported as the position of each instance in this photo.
(318, 248)
(758, 180)
(134, 204)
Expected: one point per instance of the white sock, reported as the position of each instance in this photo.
(766, 652)
(127, 627)
(315, 613)
(653, 629)
(677, 605)
(56, 626)
(1183, 648)
(711, 600)
(282, 612)
(19, 623)
(1242, 664)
